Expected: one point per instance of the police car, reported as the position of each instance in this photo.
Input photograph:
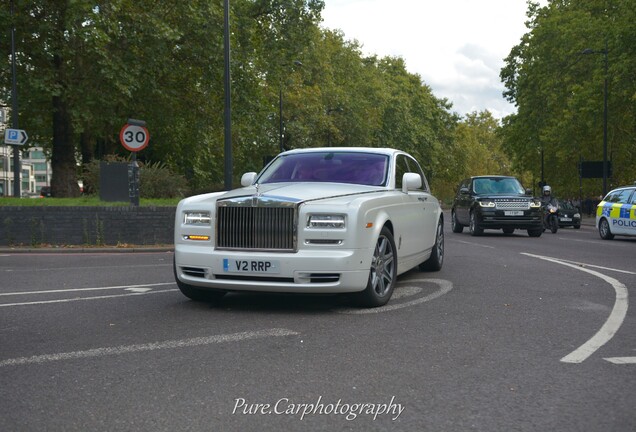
(616, 214)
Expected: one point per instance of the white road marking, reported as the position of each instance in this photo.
(125, 349)
(474, 244)
(445, 287)
(621, 360)
(86, 298)
(598, 267)
(595, 242)
(613, 323)
(84, 289)
(139, 290)
(406, 291)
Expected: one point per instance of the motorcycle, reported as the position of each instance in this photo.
(551, 218)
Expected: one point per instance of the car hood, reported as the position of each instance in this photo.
(290, 192)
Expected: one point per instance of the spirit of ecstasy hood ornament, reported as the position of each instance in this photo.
(256, 196)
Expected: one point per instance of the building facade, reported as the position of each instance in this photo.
(35, 171)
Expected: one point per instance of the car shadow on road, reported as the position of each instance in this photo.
(283, 303)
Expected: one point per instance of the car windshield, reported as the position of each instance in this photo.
(498, 186)
(325, 166)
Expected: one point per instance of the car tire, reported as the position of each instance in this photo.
(456, 226)
(604, 230)
(436, 260)
(475, 229)
(383, 273)
(577, 226)
(508, 231)
(194, 293)
(535, 232)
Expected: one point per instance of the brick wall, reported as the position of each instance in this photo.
(30, 226)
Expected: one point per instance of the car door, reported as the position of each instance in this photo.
(620, 212)
(418, 213)
(463, 202)
(627, 221)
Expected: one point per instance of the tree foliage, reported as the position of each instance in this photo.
(86, 66)
(559, 92)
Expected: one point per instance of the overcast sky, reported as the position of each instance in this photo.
(456, 46)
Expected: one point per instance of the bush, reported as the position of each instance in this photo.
(156, 179)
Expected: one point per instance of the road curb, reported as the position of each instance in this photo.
(77, 250)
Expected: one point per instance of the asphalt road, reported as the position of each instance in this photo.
(514, 334)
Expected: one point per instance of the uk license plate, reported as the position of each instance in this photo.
(231, 265)
(564, 219)
(514, 213)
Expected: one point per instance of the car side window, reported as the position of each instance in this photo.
(404, 164)
(416, 168)
(619, 197)
(632, 201)
(401, 167)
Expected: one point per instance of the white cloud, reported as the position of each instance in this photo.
(456, 46)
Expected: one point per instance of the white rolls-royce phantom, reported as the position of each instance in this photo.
(320, 220)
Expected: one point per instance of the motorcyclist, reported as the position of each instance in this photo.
(546, 200)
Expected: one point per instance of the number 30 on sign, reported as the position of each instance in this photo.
(134, 138)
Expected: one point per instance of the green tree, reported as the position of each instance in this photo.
(559, 91)
(84, 67)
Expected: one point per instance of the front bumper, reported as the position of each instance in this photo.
(572, 222)
(306, 271)
(497, 219)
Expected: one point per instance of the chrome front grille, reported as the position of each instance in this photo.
(256, 228)
(512, 205)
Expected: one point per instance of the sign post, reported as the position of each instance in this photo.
(16, 138)
(134, 137)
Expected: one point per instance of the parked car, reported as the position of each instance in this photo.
(323, 220)
(495, 202)
(45, 191)
(616, 214)
(569, 215)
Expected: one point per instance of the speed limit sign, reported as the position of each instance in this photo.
(134, 137)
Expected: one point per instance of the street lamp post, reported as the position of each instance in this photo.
(281, 147)
(14, 113)
(605, 170)
(227, 114)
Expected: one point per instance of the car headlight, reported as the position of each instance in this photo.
(535, 204)
(487, 203)
(577, 215)
(199, 218)
(324, 221)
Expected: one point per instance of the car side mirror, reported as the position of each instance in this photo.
(411, 181)
(464, 191)
(528, 191)
(248, 179)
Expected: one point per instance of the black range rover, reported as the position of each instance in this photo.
(496, 202)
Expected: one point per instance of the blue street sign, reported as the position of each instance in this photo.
(15, 136)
